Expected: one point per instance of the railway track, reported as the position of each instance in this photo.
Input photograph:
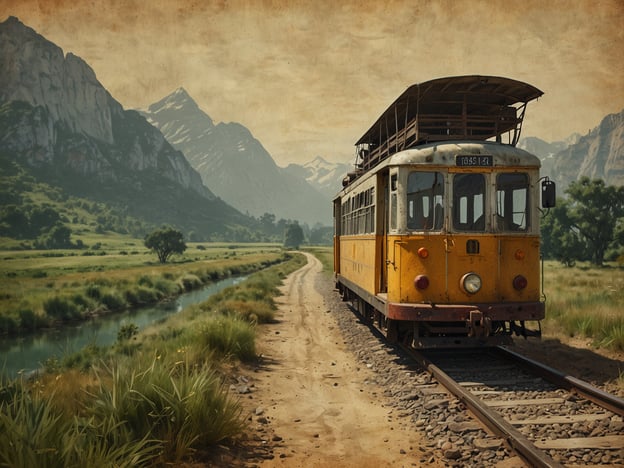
(544, 417)
(547, 418)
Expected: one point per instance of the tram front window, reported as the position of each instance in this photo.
(469, 202)
(512, 201)
(425, 201)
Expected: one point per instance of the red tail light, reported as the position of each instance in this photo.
(421, 282)
(520, 282)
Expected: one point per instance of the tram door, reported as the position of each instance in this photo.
(337, 234)
(383, 220)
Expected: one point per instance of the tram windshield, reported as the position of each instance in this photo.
(512, 201)
(425, 201)
(469, 202)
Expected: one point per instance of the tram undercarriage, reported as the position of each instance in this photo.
(468, 328)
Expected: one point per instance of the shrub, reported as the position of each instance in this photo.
(112, 301)
(176, 407)
(93, 291)
(251, 311)
(36, 432)
(127, 331)
(147, 295)
(32, 432)
(131, 297)
(229, 336)
(145, 280)
(189, 282)
(61, 308)
(165, 286)
(29, 320)
(81, 301)
(83, 359)
(8, 324)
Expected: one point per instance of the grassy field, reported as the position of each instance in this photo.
(585, 301)
(156, 397)
(43, 288)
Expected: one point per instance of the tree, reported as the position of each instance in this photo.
(560, 241)
(165, 242)
(594, 211)
(293, 236)
(59, 237)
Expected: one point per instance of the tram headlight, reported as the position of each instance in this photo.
(471, 283)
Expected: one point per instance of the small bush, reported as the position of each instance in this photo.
(251, 311)
(84, 359)
(81, 301)
(190, 282)
(93, 291)
(229, 336)
(127, 331)
(145, 280)
(29, 320)
(8, 324)
(148, 295)
(112, 301)
(36, 432)
(167, 287)
(174, 406)
(61, 308)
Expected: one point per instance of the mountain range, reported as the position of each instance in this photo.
(57, 120)
(598, 155)
(170, 163)
(236, 166)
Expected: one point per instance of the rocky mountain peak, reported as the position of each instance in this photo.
(598, 155)
(35, 71)
(234, 164)
(58, 118)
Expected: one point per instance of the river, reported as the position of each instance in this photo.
(25, 354)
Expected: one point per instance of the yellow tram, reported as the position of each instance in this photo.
(437, 230)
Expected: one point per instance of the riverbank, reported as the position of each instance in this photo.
(156, 397)
(38, 291)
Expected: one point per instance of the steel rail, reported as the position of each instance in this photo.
(494, 421)
(572, 384)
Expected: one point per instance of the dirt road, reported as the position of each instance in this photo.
(314, 394)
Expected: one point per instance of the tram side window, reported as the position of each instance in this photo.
(512, 201)
(469, 202)
(358, 213)
(393, 201)
(425, 201)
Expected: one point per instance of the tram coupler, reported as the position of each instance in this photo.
(478, 325)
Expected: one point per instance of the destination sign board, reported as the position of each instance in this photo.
(474, 160)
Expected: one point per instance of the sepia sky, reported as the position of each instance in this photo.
(308, 78)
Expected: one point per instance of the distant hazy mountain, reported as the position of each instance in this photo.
(57, 120)
(326, 177)
(597, 155)
(234, 164)
(543, 149)
(546, 151)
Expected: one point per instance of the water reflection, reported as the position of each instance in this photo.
(25, 354)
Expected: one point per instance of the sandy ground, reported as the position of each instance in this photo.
(311, 404)
(315, 393)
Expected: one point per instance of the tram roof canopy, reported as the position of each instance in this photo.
(471, 107)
